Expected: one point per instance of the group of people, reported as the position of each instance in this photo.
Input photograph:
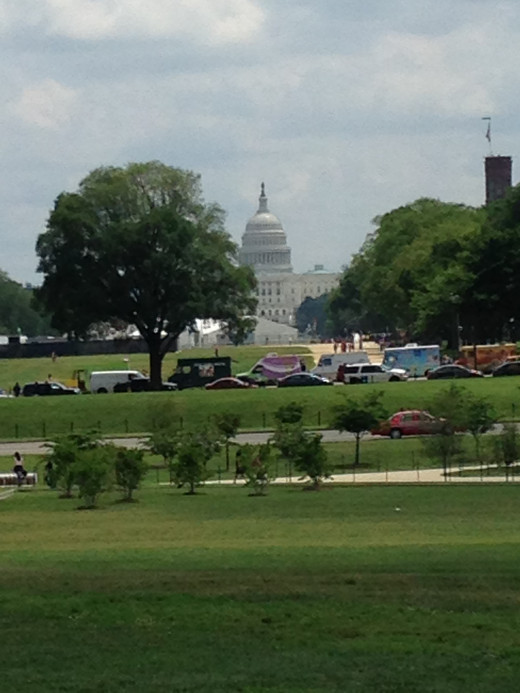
(21, 472)
(355, 343)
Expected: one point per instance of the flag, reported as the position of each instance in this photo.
(488, 133)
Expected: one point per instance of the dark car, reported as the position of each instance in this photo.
(48, 388)
(301, 379)
(507, 368)
(452, 370)
(409, 423)
(228, 384)
(142, 385)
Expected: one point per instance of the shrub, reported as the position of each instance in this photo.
(130, 469)
(65, 451)
(256, 463)
(93, 470)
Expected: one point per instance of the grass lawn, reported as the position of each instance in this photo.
(328, 591)
(133, 413)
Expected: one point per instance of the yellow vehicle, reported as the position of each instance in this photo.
(78, 380)
(485, 357)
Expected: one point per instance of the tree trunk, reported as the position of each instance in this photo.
(356, 459)
(156, 357)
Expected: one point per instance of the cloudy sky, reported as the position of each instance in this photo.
(345, 108)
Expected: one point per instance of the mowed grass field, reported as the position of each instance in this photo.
(134, 413)
(328, 591)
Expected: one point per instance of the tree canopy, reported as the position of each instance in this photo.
(414, 272)
(139, 244)
(17, 313)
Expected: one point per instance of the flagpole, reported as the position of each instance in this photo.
(488, 133)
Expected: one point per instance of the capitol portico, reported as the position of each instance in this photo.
(280, 292)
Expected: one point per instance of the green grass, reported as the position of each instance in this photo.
(30, 370)
(133, 413)
(329, 591)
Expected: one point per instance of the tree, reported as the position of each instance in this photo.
(93, 471)
(311, 459)
(17, 313)
(291, 413)
(359, 416)
(165, 443)
(239, 328)
(195, 450)
(480, 416)
(313, 312)
(140, 245)
(412, 274)
(256, 462)
(130, 470)
(448, 405)
(65, 451)
(507, 445)
(227, 425)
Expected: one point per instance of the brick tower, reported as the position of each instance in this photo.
(498, 177)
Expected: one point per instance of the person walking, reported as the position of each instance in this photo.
(16, 389)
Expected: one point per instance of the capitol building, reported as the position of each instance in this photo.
(279, 291)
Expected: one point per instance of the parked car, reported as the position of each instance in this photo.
(507, 368)
(302, 379)
(48, 388)
(142, 385)
(370, 373)
(412, 422)
(228, 384)
(452, 370)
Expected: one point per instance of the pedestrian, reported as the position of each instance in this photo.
(18, 468)
(335, 347)
(340, 375)
(240, 469)
(50, 476)
(17, 389)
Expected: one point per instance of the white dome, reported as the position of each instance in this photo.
(264, 243)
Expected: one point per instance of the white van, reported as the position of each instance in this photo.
(104, 381)
(329, 363)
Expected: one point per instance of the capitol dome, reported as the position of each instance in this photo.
(264, 243)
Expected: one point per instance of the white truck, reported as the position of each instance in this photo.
(102, 382)
(329, 363)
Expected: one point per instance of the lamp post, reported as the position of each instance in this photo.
(457, 327)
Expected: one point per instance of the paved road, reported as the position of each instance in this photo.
(40, 447)
(329, 436)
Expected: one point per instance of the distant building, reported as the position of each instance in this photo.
(498, 177)
(280, 291)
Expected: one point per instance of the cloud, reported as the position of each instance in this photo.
(217, 21)
(46, 105)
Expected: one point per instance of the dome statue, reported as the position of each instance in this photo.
(264, 243)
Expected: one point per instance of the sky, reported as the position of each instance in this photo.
(346, 109)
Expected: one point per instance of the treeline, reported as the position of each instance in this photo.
(18, 314)
(436, 271)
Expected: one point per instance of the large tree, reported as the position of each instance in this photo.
(412, 273)
(139, 244)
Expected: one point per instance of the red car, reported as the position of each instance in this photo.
(408, 423)
(228, 384)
